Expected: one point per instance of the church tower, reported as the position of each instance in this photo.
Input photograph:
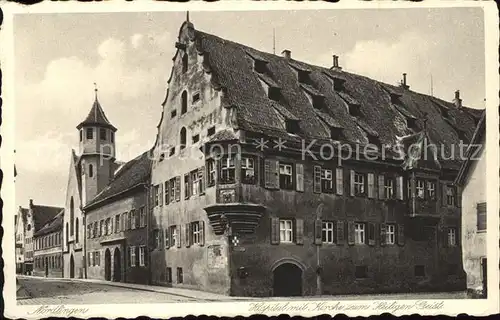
(97, 152)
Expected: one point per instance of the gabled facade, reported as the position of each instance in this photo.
(472, 180)
(20, 226)
(254, 197)
(48, 259)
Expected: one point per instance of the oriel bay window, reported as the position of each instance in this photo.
(227, 170)
(248, 170)
(285, 173)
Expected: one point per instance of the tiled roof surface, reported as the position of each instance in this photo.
(96, 116)
(54, 224)
(232, 68)
(43, 214)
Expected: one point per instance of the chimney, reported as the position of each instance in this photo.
(335, 65)
(287, 54)
(31, 203)
(457, 101)
(403, 82)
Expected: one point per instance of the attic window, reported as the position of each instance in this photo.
(259, 66)
(302, 76)
(338, 84)
(373, 139)
(292, 126)
(274, 93)
(354, 110)
(412, 123)
(336, 133)
(318, 102)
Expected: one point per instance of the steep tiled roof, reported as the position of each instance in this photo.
(43, 214)
(223, 135)
(96, 116)
(232, 69)
(135, 172)
(54, 224)
(24, 213)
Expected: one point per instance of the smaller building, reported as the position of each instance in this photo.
(117, 226)
(19, 224)
(472, 181)
(48, 261)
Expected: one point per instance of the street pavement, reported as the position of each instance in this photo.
(47, 291)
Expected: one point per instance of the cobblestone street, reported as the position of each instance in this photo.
(38, 291)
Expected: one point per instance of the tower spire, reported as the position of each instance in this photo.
(95, 90)
(187, 16)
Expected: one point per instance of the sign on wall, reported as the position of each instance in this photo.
(216, 257)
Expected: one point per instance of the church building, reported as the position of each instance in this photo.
(276, 177)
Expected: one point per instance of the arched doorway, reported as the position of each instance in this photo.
(117, 267)
(71, 267)
(46, 267)
(107, 265)
(287, 280)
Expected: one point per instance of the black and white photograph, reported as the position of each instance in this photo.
(299, 160)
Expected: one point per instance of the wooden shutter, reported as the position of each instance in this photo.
(178, 188)
(401, 234)
(275, 230)
(317, 179)
(352, 183)
(276, 173)
(201, 174)
(318, 231)
(443, 194)
(381, 186)
(383, 232)
(188, 234)
(350, 233)
(179, 235)
(299, 231)
(339, 176)
(160, 194)
(371, 185)
(202, 233)
(167, 192)
(187, 188)
(271, 173)
(371, 234)
(167, 238)
(399, 188)
(299, 176)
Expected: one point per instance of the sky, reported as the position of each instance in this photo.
(58, 57)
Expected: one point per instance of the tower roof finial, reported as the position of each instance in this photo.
(187, 16)
(95, 90)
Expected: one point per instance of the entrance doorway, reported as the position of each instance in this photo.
(71, 267)
(287, 280)
(117, 270)
(107, 265)
(46, 267)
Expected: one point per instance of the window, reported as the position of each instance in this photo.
(327, 234)
(195, 178)
(302, 76)
(184, 102)
(286, 231)
(112, 135)
(172, 189)
(101, 228)
(431, 190)
(133, 219)
(419, 271)
(388, 188)
(98, 258)
(81, 135)
(210, 131)
(183, 138)
(481, 216)
(102, 133)
(184, 63)
(179, 275)
(156, 190)
(286, 176)
(196, 229)
(173, 113)
(420, 188)
(117, 223)
(171, 152)
(95, 233)
(359, 233)
(91, 170)
(90, 133)
(169, 275)
(259, 66)
(452, 237)
(247, 170)
(227, 168)
(359, 184)
(450, 196)
(196, 138)
(360, 272)
(173, 236)
(274, 94)
(142, 215)
(187, 189)
(327, 180)
(132, 256)
(142, 256)
(211, 172)
(390, 234)
(77, 232)
(196, 97)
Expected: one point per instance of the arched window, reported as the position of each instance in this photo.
(76, 230)
(67, 233)
(71, 216)
(183, 138)
(184, 63)
(91, 170)
(184, 102)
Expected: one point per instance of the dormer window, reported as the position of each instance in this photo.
(259, 66)
(274, 93)
(303, 76)
(335, 133)
(354, 110)
(318, 102)
(338, 84)
(292, 126)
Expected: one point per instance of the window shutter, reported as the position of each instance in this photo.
(178, 188)
(340, 232)
(399, 188)
(201, 173)
(401, 234)
(458, 190)
(160, 194)
(339, 174)
(318, 231)
(317, 179)
(202, 233)
(167, 238)
(352, 183)
(371, 234)
(299, 231)
(187, 235)
(187, 188)
(167, 192)
(276, 174)
(271, 174)
(350, 233)
(179, 235)
(299, 174)
(371, 185)
(381, 186)
(383, 231)
(443, 194)
(275, 230)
